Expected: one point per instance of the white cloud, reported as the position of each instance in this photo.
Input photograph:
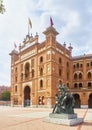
(72, 21)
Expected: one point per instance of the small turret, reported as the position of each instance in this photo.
(14, 56)
(70, 48)
(64, 45)
(51, 34)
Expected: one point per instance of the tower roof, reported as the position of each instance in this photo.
(14, 52)
(50, 30)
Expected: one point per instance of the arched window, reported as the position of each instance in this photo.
(80, 85)
(41, 59)
(32, 73)
(67, 64)
(89, 75)
(81, 65)
(41, 83)
(68, 85)
(91, 63)
(60, 60)
(75, 85)
(87, 64)
(60, 72)
(74, 66)
(41, 71)
(16, 70)
(27, 70)
(77, 65)
(75, 76)
(15, 89)
(89, 84)
(80, 76)
(60, 82)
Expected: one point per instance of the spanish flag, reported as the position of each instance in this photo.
(15, 46)
(51, 22)
(30, 23)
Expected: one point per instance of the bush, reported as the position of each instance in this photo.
(6, 96)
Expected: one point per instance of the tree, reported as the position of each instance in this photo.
(6, 96)
(2, 8)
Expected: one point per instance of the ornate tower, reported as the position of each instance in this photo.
(51, 34)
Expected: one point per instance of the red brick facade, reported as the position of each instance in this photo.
(37, 68)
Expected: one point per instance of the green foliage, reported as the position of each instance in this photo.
(6, 96)
(2, 9)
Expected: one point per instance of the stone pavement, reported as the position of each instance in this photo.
(19, 118)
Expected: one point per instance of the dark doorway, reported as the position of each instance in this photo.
(77, 101)
(26, 96)
(90, 101)
(41, 100)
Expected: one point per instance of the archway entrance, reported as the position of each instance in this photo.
(90, 101)
(27, 96)
(77, 101)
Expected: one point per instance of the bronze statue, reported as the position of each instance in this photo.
(64, 101)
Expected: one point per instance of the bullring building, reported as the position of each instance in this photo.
(37, 68)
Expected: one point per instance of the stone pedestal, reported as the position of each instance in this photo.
(64, 119)
(63, 116)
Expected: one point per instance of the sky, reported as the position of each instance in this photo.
(71, 18)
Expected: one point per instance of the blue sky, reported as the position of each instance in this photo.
(72, 19)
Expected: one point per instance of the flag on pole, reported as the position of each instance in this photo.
(51, 22)
(29, 26)
(15, 46)
(30, 23)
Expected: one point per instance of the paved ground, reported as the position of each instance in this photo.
(13, 118)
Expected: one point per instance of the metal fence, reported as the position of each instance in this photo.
(5, 103)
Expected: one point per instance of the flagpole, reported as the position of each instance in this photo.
(29, 26)
(28, 29)
(15, 46)
(51, 22)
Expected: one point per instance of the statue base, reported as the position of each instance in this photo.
(64, 119)
(63, 116)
